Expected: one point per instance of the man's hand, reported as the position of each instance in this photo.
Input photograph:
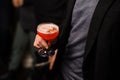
(17, 3)
(40, 43)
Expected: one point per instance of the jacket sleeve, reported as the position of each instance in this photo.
(50, 11)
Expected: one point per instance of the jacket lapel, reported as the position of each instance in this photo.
(65, 29)
(67, 19)
(98, 17)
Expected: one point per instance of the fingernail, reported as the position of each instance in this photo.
(46, 47)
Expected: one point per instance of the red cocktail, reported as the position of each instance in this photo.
(48, 32)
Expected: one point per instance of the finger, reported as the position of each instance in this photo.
(52, 60)
(36, 45)
(36, 42)
(40, 42)
(49, 43)
(43, 43)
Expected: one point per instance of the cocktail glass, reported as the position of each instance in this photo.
(49, 33)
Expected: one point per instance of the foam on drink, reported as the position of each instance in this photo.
(47, 28)
(48, 31)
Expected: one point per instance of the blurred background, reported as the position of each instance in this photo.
(17, 32)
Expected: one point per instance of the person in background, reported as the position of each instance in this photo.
(88, 43)
(6, 27)
(23, 41)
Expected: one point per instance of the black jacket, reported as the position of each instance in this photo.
(101, 59)
(102, 47)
